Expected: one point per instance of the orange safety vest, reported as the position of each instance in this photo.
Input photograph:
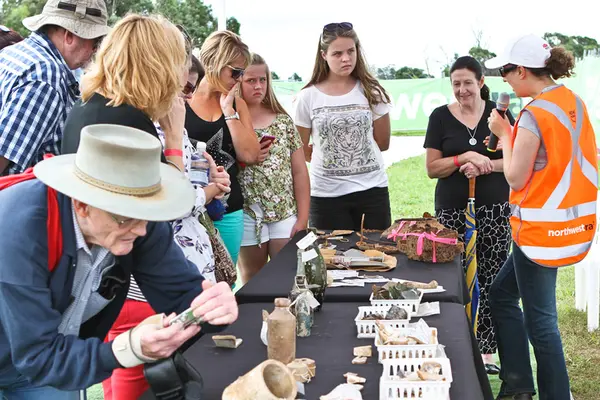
(553, 217)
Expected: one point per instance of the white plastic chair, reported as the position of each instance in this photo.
(587, 281)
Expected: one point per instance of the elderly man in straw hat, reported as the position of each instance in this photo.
(105, 205)
(37, 85)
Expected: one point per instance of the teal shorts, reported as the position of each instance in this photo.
(231, 229)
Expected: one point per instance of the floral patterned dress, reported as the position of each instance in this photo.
(268, 187)
(189, 233)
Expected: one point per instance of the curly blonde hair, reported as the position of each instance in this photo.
(220, 49)
(139, 63)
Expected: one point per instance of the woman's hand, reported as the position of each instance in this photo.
(264, 150)
(486, 142)
(483, 163)
(499, 126)
(470, 170)
(220, 182)
(173, 124)
(227, 100)
(218, 174)
(300, 225)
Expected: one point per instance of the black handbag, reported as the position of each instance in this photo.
(174, 379)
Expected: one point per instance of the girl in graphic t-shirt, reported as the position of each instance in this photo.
(344, 110)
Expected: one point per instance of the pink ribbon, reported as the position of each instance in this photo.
(422, 236)
(396, 232)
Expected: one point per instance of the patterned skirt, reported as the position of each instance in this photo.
(493, 246)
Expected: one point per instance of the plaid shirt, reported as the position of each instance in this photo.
(37, 90)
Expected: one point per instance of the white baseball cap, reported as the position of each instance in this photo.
(526, 51)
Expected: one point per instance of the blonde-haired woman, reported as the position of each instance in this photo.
(135, 80)
(277, 190)
(218, 116)
(345, 111)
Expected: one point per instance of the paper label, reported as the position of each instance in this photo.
(422, 332)
(306, 241)
(312, 302)
(309, 255)
(427, 309)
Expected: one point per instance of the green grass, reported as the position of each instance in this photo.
(95, 393)
(409, 133)
(411, 191)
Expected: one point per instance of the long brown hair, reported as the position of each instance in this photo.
(374, 92)
(270, 101)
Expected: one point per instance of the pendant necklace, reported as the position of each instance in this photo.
(472, 141)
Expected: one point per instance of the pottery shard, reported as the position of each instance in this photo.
(303, 369)
(359, 360)
(227, 341)
(351, 377)
(363, 351)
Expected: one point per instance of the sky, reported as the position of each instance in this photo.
(417, 33)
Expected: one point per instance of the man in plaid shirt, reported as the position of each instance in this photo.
(37, 85)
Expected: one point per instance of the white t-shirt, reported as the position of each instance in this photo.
(345, 158)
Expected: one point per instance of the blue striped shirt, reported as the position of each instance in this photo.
(37, 91)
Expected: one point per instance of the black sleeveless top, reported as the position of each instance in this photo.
(219, 145)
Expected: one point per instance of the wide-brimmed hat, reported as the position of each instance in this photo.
(87, 19)
(118, 169)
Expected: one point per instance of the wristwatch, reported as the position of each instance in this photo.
(233, 116)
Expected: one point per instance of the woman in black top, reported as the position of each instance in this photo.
(218, 116)
(456, 151)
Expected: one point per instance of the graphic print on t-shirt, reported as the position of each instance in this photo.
(345, 142)
(214, 147)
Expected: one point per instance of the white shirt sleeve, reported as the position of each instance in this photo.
(302, 114)
(380, 110)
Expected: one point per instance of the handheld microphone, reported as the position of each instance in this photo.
(501, 107)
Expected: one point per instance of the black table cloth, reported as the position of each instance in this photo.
(331, 345)
(277, 277)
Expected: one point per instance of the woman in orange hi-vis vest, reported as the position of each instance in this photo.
(550, 165)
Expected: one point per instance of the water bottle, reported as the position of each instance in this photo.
(200, 169)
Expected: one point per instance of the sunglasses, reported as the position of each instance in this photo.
(508, 68)
(188, 39)
(337, 26)
(236, 73)
(189, 88)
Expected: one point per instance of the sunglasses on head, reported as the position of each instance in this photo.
(337, 26)
(185, 33)
(189, 88)
(236, 73)
(507, 69)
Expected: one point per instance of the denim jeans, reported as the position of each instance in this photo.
(21, 389)
(535, 285)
